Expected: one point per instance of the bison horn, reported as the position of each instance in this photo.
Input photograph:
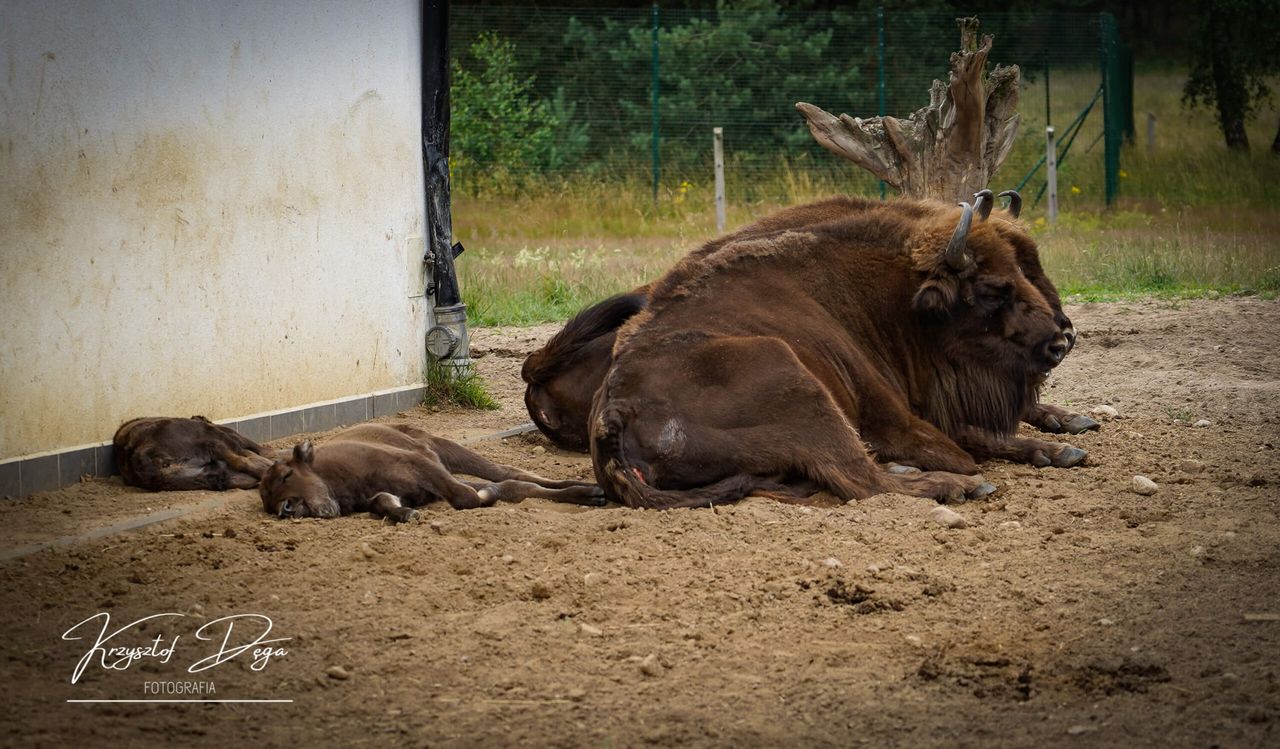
(1015, 202)
(983, 201)
(957, 256)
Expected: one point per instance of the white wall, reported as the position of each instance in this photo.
(207, 207)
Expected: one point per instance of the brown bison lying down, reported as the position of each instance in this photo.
(172, 454)
(771, 361)
(390, 469)
(562, 377)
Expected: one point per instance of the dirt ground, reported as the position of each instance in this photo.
(1069, 611)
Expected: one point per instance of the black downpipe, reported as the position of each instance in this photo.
(448, 338)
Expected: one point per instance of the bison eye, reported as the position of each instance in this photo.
(993, 298)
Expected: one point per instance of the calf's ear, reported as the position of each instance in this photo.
(304, 453)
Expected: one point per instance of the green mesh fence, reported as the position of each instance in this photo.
(543, 94)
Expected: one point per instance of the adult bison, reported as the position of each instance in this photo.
(390, 469)
(769, 362)
(169, 454)
(562, 377)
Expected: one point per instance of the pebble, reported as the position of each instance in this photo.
(873, 569)
(1104, 412)
(1203, 423)
(1191, 466)
(1010, 525)
(831, 562)
(539, 450)
(915, 640)
(592, 578)
(1144, 486)
(947, 517)
(337, 672)
(587, 629)
(437, 526)
(577, 694)
(508, 559)
(367, 550)
(1080, 730)
(650, 666)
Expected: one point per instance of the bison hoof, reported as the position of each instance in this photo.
(983, 489)
(1071, 456)
(1080, 423)
(1050, 424)
(897, 468)
(1040, 460)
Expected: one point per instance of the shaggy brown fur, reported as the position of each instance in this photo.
(562, 377)
(770, 362)
(173, 454)
(390, 469)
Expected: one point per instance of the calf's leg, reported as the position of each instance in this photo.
(511, 490)
(459, 459)
(387, 505)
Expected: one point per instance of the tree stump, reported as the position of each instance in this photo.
(949, 149)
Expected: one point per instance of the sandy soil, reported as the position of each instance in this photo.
(1070, 610)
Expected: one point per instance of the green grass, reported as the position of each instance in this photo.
(1192, 220)
(450, 386)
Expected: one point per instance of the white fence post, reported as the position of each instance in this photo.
(717, 137)
(1051, 167)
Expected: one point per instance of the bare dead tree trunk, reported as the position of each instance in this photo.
(949, 149)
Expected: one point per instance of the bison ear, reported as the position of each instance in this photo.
(304, 453)
(935, 299)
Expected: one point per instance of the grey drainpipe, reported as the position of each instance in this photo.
(447, 341)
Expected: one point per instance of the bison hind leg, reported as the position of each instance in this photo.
(511, 490)
(387, 505)
(950, 488)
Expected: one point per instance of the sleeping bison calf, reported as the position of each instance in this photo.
(390, 469)
(172, 454)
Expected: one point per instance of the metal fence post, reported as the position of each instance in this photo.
(1151, 133)
(1051, 173)
(1112, 114)
(717, 138)
(657, 134)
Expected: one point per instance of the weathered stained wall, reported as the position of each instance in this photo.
(208, 207)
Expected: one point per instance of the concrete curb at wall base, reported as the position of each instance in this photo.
(25, 475)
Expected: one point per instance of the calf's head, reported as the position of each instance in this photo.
(977, 297)
(292, 489)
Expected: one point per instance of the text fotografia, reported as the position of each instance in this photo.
(179, 688)
(239, 636)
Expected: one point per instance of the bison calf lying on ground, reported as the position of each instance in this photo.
(390, 469)
(562, 377)
(172, 454)
(772, 361)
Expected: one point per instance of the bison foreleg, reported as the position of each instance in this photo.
(387, 505)
(985, 445)
(1055, 420)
